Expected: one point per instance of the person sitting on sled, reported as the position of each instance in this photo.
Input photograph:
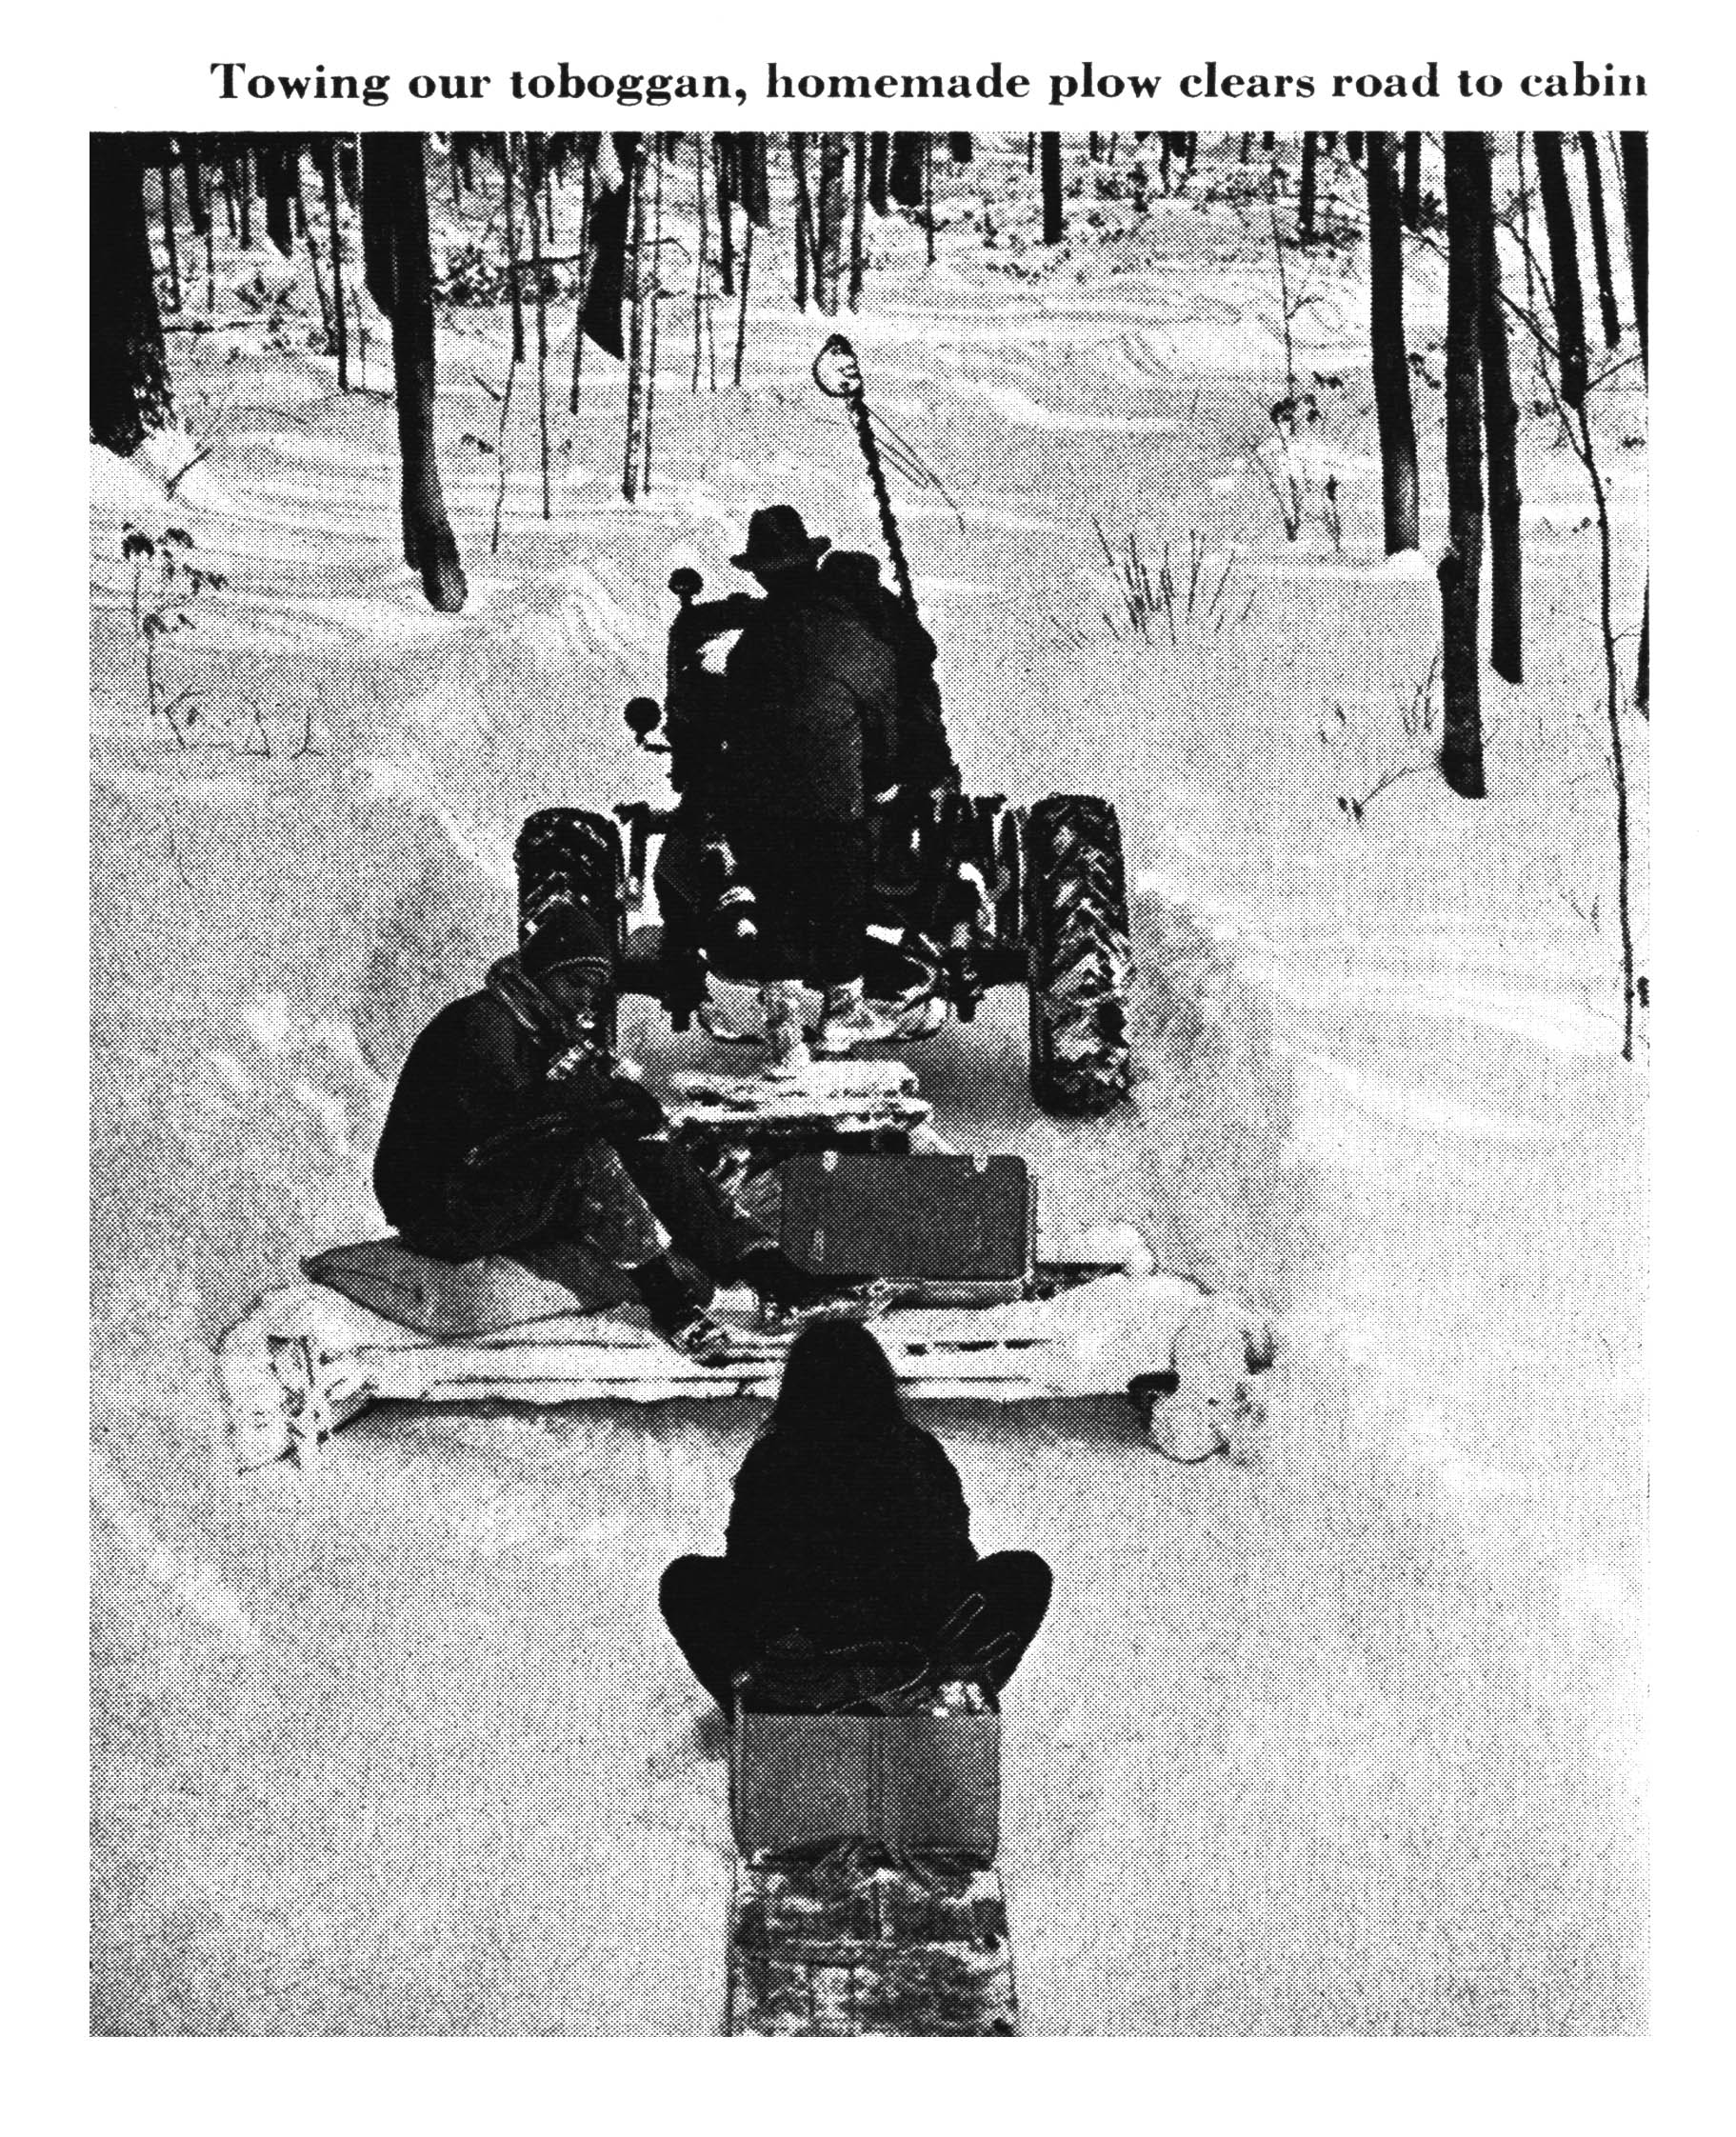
(848, 1529)
(811, 731)
(513, 1130)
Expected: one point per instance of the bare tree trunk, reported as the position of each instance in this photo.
(1637, 200)
(328, 170)
(1391, 364)
(516, 297)
(535, 207)
(1461, 567)
(273, 168)
(1525, 226)
(1641, 680)
(129, 390)
(879, 151)
(741, 320)
(858, 202)
(1501, 436)
(753, 178)
(1308, 189)
(903, 172)
(395, 221)
(1410, 188)
(319, 280)
(1639, 242)
(928, 195)
(199, 215)
(166, 181)
(1564, 267)
(588, 187)
(829, 256)
(1600, 241)
(635, 337)
(702, 156)
(805, 216)
(1054, 220)
(244, 198)
(723, 158)
(650, 338)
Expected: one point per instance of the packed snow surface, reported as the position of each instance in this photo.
(1339, 1736)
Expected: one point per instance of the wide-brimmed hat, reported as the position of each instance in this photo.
(777, 539)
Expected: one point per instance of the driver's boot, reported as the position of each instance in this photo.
(786, 1051)
(848, 1021)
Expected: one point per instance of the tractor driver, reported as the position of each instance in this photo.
(513, 1130)
(811, 735)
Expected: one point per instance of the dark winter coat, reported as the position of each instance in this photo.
(849, 1536)
(468, 1162)
(812, 710)
(922, 757)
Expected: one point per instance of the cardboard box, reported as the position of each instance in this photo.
(907, 1780)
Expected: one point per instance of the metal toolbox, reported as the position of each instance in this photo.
(956, 1227)
(910, 1782)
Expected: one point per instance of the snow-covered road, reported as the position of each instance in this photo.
(1339, 1738)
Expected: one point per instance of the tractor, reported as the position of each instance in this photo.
(970, 893)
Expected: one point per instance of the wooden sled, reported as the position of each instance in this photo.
(309, 1358)
(377, 1323)
(889, 1951)
(865, 1898)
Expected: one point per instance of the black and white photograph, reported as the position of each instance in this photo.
(870, 1028)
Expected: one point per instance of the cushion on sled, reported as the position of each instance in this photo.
(457, 1298)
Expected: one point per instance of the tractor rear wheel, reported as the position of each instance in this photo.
(570, 859)
(1081, 967)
